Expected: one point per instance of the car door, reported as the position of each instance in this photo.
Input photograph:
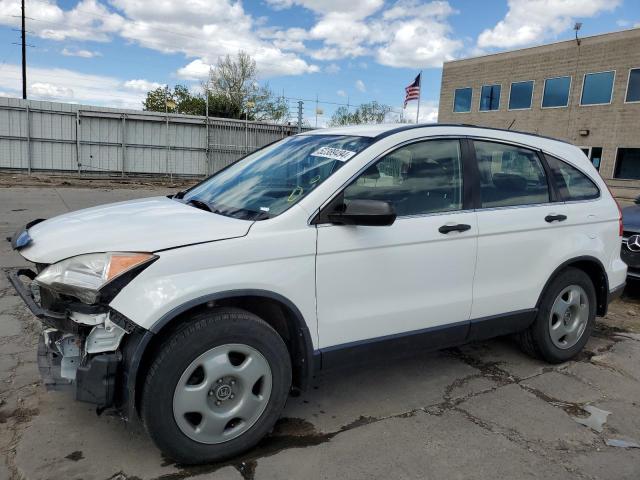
(519, 224)
(415, 276)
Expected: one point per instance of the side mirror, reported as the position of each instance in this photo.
(637, 200)
(373, 213)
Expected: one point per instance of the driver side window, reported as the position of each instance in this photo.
(417, 179)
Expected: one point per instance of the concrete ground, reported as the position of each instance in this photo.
(481, 411)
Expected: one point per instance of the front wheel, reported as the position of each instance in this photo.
(565, 319)
(216, 387)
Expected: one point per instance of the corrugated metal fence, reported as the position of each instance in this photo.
(47, 136)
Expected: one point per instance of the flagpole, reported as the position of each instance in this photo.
(419, 95)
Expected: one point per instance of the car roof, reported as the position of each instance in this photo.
(386, 129)
(550, 145)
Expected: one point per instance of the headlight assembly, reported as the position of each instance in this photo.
(83, 276)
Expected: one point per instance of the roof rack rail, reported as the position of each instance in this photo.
(468, 125)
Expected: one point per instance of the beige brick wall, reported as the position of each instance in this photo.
(610, 126)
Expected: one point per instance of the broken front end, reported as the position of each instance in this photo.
(85, 344)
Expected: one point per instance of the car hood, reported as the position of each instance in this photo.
(144, 225)
(631, 218)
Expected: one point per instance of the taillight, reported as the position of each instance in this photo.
(620, 224)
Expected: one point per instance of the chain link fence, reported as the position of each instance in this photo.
(48, 136)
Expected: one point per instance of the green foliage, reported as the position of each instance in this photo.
(178, 100)
(372, 112)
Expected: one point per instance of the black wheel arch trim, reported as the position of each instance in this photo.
(602, 294)
(304, 344)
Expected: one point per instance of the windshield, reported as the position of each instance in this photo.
(271, 180)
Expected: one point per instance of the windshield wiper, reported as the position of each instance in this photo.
(200, 204)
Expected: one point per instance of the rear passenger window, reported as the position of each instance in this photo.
(510, 175)
(420, 178)
(572, 184)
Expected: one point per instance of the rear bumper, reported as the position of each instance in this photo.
(62, 359)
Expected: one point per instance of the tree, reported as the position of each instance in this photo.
(232, 89)
(180, 100)
(372, 112)
(234, 82)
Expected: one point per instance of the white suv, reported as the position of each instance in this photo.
(200, 312)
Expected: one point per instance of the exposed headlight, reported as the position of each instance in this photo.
(83, 276)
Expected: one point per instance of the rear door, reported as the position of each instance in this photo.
(518, 226)
(413, 276)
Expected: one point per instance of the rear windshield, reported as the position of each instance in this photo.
(271, 180)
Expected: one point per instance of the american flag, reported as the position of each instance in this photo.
(412, 91)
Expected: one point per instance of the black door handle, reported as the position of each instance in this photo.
(555, 218)
(461, 227)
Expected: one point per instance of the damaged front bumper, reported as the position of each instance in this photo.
(80, 346)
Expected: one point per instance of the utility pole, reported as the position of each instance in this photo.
(24, 56)
(300, 104)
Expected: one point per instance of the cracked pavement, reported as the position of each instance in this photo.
(484, 410)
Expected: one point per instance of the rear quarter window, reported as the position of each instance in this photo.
(571, 183)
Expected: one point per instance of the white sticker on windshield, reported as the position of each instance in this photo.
(334, 153)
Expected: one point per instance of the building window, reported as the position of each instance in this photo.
(628, 163)
(597, 88)
(490, 98)
(462, 100)
(596, 157)
(521, 95)
(594, 154)
(556, 92)
(633, 86)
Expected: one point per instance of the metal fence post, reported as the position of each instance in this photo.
(166, 141)
(124, 144)
(246, 135)
(78, 129)
(207, 160)
(28, 111)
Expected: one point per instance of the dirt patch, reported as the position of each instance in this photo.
(624, 313)
(75, 456)
(8, 179)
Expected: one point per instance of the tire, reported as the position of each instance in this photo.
(543, 339)
(184, 406)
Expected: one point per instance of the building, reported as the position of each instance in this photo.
(585, 91)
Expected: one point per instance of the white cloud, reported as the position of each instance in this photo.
(332, 68)
(419, 35)
(68, 52)
(141, 85)
(341, 93)
(199, 29)
(361, 86)
(428, 112)
(406, 33)
(196, 70)
(88, 20)
(623, 23)
(355, 8)
(206, 30)
(49, 91)
(64, 85)
(532, 21)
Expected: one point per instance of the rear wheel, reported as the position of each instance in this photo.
(217, 386)
(565, 319)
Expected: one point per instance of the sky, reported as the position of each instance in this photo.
(111, 52)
